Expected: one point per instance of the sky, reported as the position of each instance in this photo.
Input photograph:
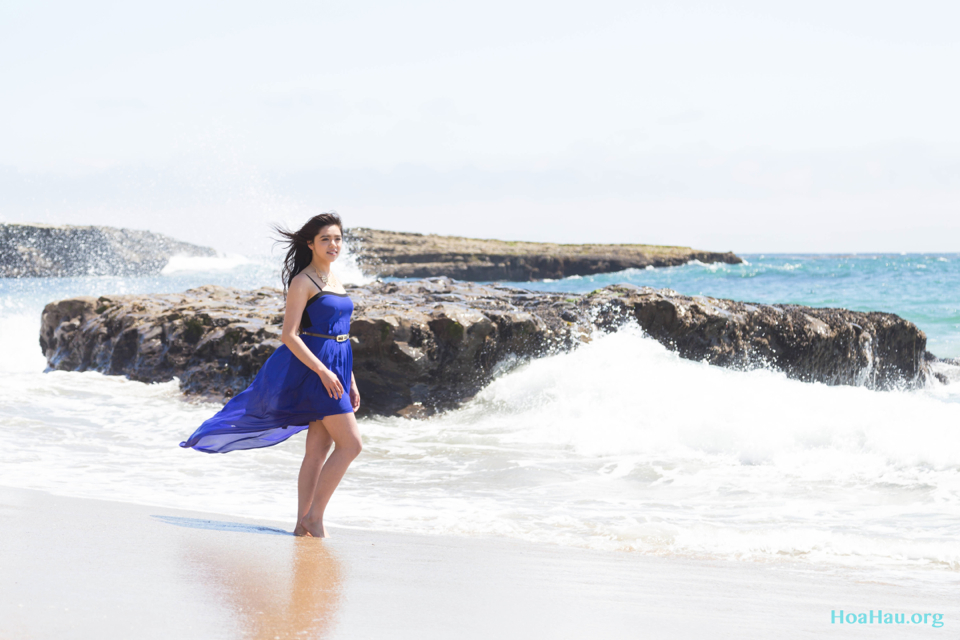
(752, 126)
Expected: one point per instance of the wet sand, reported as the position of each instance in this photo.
(80, 568)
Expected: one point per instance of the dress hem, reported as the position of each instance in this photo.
(254, 435)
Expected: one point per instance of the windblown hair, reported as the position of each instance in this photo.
(299, 254)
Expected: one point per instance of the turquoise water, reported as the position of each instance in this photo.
(923, 288)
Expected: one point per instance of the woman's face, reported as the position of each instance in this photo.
(327, 243)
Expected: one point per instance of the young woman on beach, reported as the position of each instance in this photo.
(307, 383)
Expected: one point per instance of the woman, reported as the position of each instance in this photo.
(307, 383)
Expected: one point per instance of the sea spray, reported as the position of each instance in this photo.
(618, 445)
(921, 288)
(179, 264)
(628, 446)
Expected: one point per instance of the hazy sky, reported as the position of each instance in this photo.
(751, 126)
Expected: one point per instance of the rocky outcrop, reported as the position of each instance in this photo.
(412, 255)
(431, 344)
(39, 251)
(421, 346)
(832, 346)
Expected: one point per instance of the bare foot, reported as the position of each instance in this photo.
(301, 530)
(312, 528)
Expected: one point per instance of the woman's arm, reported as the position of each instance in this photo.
(354, 392)
(297, 297)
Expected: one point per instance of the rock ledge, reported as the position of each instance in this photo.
(412, 255)
(429, 345)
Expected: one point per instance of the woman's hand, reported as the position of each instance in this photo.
(354, 396)
(330, 382)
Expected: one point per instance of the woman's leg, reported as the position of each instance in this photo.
(318, 446)
(346, 436)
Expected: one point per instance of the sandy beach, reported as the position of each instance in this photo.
(80, 568)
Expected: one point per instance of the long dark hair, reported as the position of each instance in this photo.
(299, 256)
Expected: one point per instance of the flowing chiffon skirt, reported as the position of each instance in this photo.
(286, 396)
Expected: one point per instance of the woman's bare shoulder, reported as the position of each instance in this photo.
(301, 287)
(304, 282)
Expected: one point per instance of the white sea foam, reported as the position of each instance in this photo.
(346, 267)
(709, 266)
(224, 262)
(620, 445)
(19, 343)
(348, 270)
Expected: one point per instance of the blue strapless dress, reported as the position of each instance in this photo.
(286, 396)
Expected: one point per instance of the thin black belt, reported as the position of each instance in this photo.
(343, 337)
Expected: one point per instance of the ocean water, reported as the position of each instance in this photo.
(923, 288)
(618, 445)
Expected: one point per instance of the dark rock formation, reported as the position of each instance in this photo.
(431, 344)
(38, 251)
(421, 345)
(833, 346)
(412, 255)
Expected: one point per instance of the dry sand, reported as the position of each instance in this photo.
(79, 568)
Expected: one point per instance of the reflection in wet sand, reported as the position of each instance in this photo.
(278, 588)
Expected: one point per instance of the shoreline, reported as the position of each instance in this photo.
(128, 570)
